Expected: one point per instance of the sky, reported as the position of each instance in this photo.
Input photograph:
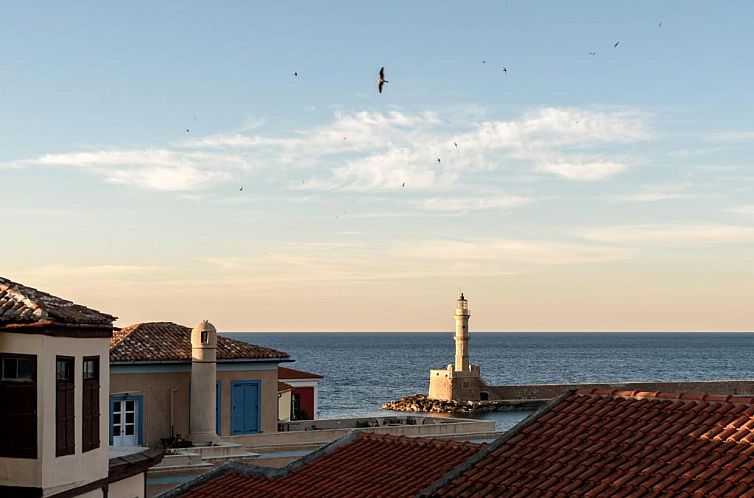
(161, 161)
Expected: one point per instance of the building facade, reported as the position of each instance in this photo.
(153, 392)
(54, 380)
(304, 392)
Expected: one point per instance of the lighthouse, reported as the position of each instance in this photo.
(460, 381)
(462, 334)
(203, 378)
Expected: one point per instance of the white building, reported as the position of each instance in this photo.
(54, 385)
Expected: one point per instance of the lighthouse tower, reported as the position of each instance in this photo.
(460, 381)
(203, 378)
(462, 334)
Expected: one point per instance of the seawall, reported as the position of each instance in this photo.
(529, 396)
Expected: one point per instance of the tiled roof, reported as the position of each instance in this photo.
(292, 373)
(282, 387)
(607, 443)
(168, 341)
(20, 304)
(359, 465)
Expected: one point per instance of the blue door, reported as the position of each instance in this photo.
(244, 401)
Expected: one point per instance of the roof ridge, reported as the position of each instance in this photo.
(26, 304)
(665, 395)
(469, 463)
(419, 440)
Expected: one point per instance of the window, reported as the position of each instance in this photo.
(18, 405)
(90, 409)
(64, 408)
(17, 368)
(205, 337)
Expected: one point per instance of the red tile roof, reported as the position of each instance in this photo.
(168, 341)
(618, 444)
(359, 465)
(20, 304)
(291, 374)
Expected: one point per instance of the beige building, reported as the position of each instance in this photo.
(460, 381)
(161, 383)
(54, 380)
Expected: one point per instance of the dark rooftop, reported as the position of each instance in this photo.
(20, 305)
(168, 341)
(360, 464)
(606, 443)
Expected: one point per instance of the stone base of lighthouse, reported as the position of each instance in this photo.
(450, 384)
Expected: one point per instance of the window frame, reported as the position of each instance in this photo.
(90, 414)
(65, 394)
(10, 428)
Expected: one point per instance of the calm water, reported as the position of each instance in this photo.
(365, 369)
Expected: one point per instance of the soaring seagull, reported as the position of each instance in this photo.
(505, 70)
(616, 44)
(382, 79)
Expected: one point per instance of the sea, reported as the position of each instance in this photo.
(362, 370)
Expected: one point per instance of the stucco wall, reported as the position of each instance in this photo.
(156, 387)
(156, 390)
(268, 397)
(56, 474)
(284, 406)
(130, 487)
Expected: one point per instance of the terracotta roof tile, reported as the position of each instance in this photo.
(286, 373)
(614, 443)
(167, 341)
(20, 304)
(367, 465)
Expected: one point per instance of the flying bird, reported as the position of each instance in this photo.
(240, 189)
(403, 185)
(616, 44)
(455, 144)
(295, 74)
(382, 79)
(659, 24)
(438, 160)
(484, 62)
(505, 70)
(188, 131)
(592, 53)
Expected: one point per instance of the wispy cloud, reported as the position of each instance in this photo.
(747, 209)
(368, 151)
(512, 251)
(158, 169)
(473, 203)
(62, 270)
(655, 193)
(670, 234)
(583, 170)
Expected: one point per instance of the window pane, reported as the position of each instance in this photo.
(91, 369)
(10, 368)
(129, 430)
(129, 406)
(116, 418)
(64, 369)
(130, 417)
(116, 406)
(116, 430)
(25, 368)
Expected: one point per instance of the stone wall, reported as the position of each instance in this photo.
(548, 391)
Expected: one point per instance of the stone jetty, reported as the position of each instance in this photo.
(422, 403)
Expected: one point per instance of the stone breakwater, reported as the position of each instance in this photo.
(421, 403)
